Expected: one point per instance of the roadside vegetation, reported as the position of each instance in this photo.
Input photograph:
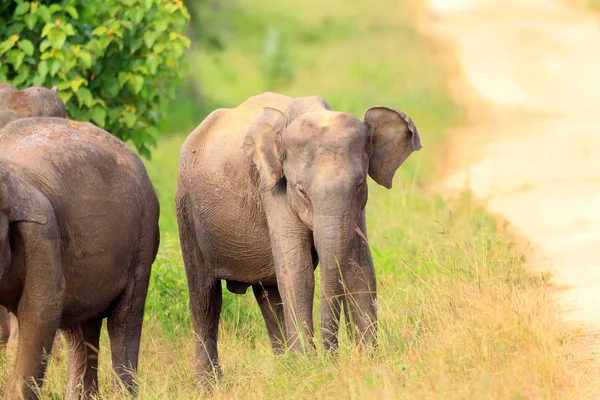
(460, 318)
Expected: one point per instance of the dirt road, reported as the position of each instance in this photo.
(533, 150)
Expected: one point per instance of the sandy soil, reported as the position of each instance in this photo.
(532, 152)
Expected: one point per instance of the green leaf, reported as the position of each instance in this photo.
(138, 15)
(129, 119)
(15, 57)
(72, 11)
(76, 84)
(57, 38)
(65, 85)
(23, 75)
(150, 38)
(54, 66)
(141, 69)
(43, 68)
(68, 29)
(44, 13)
(5, 46)
(26, 46)
(152, 63)
(98, 115)
(113, 87)
(86, 59)
(137, 82)
(30, 21)
(34, 7)
(37, 81)
(99, 31)
(123, 77)
(186, 41)
(84, 96)
(22, 8)
(65, 96)
(54, 8)
(44, 45)
(47, 28)
(148, 4)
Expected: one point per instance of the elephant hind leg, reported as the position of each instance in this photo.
(205, 297)
(205, 303)
(125, 330)
(271, 307)
(83, 343)
(126, 318)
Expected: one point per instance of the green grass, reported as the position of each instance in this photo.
(459, 317)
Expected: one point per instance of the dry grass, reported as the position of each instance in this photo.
(459, 319)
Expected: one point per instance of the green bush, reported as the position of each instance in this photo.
(115, 62)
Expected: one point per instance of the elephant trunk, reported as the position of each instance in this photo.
(347, 278)
(333, 237)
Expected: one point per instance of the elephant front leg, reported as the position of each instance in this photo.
(296, 282)
(39, 317)
(40, 306)
(271, 307)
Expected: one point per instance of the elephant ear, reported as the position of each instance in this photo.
(19, 201)
(394, 137)
(260, 144)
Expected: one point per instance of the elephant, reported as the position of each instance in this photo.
(14, 104)
(265, 192)
(78, 236)
(32, 102)
(7, 325)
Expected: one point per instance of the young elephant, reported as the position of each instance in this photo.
(265, 192)
(78, 235)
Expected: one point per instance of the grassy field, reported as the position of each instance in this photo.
(459, 317)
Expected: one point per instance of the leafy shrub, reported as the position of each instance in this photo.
(115, 62)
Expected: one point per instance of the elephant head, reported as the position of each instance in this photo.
(317, 161)
(18, 202)
(31, 102)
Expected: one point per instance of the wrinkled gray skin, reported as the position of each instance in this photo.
(265, 192)
(78, 235)
(15, 104)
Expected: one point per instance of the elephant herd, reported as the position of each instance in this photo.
(265, 192)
